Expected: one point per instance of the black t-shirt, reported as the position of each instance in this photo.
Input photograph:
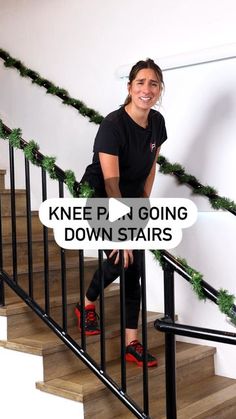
(135, 146)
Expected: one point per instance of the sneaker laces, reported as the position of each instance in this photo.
(91, 317)
(137, 346)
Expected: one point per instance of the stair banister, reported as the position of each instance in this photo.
(60, 328)
(168, 326)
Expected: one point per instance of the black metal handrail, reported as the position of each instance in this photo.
(194, 184)
(43, 309)
(209, 292)
(168, 325)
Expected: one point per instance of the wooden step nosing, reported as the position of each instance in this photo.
(23, 348)
(52, 389)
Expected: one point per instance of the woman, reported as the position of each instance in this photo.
(126, 149)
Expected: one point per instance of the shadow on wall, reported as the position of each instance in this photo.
(201, 159)
(208, 137)
(207, 144)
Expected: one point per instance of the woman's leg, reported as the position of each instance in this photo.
(132, 297)
(132, 290)
(110, 273)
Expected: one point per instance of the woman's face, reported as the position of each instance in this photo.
(145, 89)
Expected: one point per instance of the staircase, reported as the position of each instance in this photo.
(201, 394)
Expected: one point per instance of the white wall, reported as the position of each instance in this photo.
(79, 45)
(19, 394)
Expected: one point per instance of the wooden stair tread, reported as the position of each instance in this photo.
(46, 341)
(17, 307)
(8, 191)
(223, 395)
(36, 237)
(34, 213)
(85, 383)
(188, 396)
(70, 264)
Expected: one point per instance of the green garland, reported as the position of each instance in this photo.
(217, 202)
(30, 151)
(225, 301)
(158, 256)
(48, 164)
(196, 279)
(15, 137)
(70, 181)
(86, 190)
(175, 169)
(11, 62)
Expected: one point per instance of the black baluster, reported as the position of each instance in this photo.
(45, 248)
(29, 228)
(82, 293)
(102, 323)
(170, 349)
(63, 274)
(144, 334)
(13, 212)
(122, 321)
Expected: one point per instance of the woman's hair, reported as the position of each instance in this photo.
(140, 65)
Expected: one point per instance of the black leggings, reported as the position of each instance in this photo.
(132, 285)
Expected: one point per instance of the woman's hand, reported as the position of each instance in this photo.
(128, 257)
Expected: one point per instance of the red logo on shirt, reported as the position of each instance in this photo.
(152, 146)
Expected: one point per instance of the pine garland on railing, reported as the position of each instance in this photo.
(70, 181)
(86, 190)
(15, 137)
(11, 62)
(196, 279)
(48, 164)
(225, 301)
(175, 169)
(30, 151)
(217, 202)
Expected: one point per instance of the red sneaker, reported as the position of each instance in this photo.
(134, 353)
(91, 319)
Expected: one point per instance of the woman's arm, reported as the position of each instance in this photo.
(150, 179)
(111, 174)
